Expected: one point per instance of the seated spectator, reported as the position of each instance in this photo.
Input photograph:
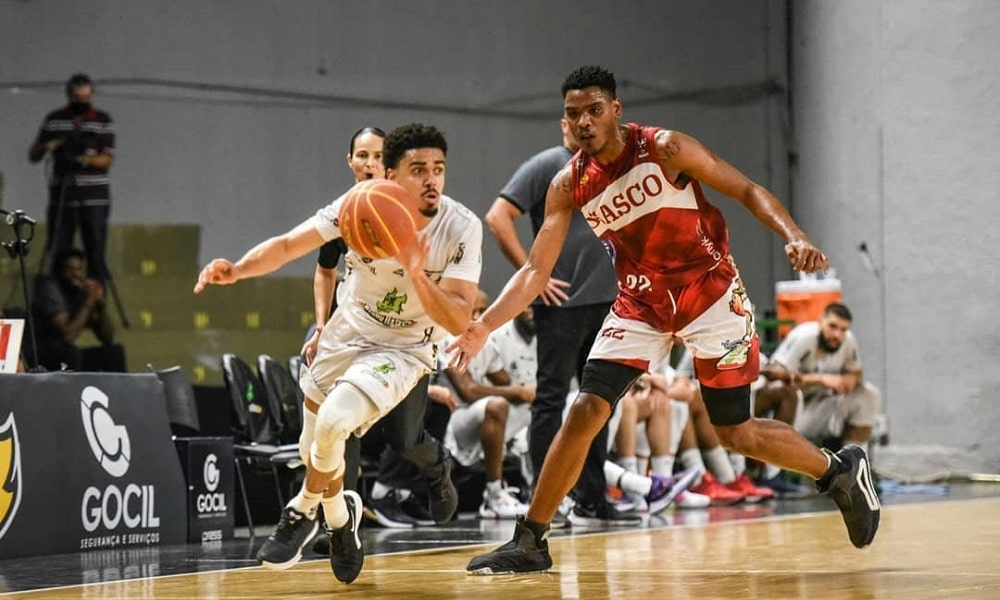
(819, 361)
(495, 394)
(66, 304)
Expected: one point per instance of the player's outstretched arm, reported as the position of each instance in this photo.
(266, 257)
(529, 281)
(682, 156)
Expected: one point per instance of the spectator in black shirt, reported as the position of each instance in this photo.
(66, 304)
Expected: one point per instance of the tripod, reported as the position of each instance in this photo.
(55, 239)
(18, 247)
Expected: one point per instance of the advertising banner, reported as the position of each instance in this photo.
(209, 471)
(86, 463)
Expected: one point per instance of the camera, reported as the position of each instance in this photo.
(73, 145)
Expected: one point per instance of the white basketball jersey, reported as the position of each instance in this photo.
(520, 358)
(801, 351)
(377, 297)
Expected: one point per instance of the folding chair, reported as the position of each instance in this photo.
(255, 433)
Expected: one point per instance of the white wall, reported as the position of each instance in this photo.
(897, 138)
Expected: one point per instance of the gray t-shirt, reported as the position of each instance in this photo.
(584, 260)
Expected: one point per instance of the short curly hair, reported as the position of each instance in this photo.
(588, 76)
(410, 136)
(64, 256)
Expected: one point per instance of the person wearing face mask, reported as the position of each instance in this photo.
(79, 141)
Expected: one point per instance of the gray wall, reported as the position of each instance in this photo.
(236, 114)
(897, 138)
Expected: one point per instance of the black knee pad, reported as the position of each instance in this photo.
(607, 379)
(727, 406)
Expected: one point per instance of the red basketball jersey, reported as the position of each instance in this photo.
(663, 237)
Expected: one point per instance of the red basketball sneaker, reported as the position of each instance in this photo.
(719, 494)
(751, 493)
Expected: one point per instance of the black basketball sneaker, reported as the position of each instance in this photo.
(849, 483)
(527, 552)
(346, 553)
(283, 548)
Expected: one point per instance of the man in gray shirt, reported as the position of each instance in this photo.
(568, 316)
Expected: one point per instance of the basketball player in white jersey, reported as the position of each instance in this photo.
(382, 338)
(496, 393)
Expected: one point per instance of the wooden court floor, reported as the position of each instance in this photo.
(948, 549)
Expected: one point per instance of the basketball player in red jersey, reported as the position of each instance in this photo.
(640, 190)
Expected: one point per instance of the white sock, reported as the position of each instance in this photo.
(633, 483)
(335, 511)
(771, 471)
(692, 458)
(380, 490)
(662, 465)
(718, 463)
(739, 463)
(495, 487)
(306, 502)
(642, 465)
(629, 463)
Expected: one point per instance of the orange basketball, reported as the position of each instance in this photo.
(376, 220)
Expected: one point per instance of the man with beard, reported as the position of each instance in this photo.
(820, 361)
(80, 139)
(495, 394)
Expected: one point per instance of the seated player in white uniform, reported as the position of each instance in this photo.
(496, 394)
(820, 361)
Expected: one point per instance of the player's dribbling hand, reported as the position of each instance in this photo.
(218, 272)
(468, 345)
(806, 257)
(414, 255)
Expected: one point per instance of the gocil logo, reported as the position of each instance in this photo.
(109, 442)
(213, 501)
(211, 473)
(10, 473)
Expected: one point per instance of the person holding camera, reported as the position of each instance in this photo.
(80, 141)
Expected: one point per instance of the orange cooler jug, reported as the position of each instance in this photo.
(804, 299)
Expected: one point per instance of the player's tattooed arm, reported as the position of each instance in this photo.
(669, 149)
(563, 181)
(674, 152)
